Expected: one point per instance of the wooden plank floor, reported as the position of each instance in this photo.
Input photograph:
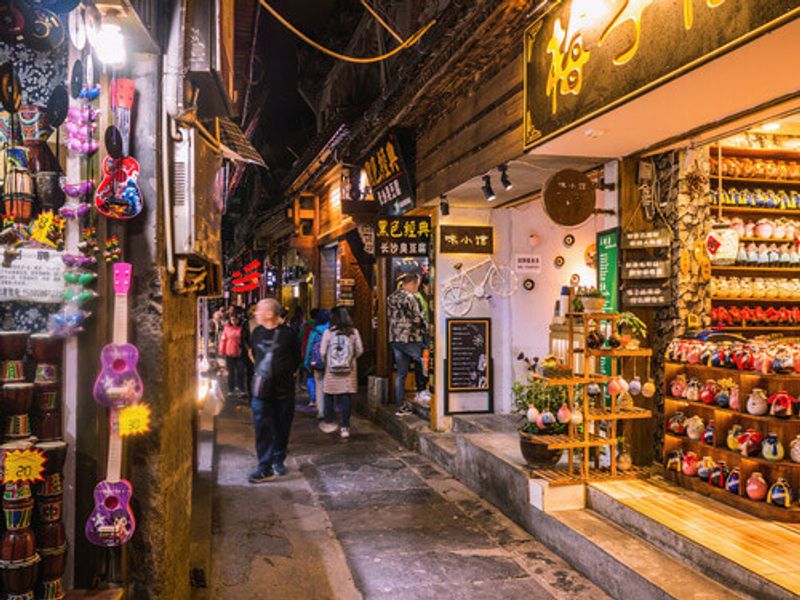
(768, 548)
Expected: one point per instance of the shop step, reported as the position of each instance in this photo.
(440, 448)
(637, 515)
(485, 423)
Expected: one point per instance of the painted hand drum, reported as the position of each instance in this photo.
(18, 517)
(17, 398)
(13, 345)
(47, 425)
(46, 396)
(56, 454)
(47, 348)
(19, 577)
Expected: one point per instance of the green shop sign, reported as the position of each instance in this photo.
(585, 57)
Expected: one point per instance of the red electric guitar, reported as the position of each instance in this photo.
(112, 523)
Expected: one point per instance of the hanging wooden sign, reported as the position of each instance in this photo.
(466, 239)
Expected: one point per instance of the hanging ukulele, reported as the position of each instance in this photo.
(118, 195)
(112, 523)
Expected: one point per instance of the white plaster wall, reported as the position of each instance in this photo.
(520, 323)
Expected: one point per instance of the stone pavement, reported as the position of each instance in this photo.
(366, 518)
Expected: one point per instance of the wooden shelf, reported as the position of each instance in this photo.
(754, 210)
(560, 477)
(599, 414)
(737, 328)
(619, 352)
(760, 269)
(729, 411)
(593, 316)
(759, 240)
(574, 380)
(760, 509)
(782, 182)
(765, 153)
(563, 441)
(697, 448)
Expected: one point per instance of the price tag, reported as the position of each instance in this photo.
(24, 465)
(134, 420)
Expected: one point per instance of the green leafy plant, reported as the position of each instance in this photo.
(632, 325)
(589, 292)
(542, 396)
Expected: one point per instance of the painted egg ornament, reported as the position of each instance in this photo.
(593, 389)
(614, 387)
(576, 418)
(649, 389)
(623, 385)
(635, 387)
(564, 414)
(548, 418)
(532, 414)
(540, 422)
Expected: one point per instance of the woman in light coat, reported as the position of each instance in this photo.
(341, 380)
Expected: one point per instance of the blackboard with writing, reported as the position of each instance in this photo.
(469, 355)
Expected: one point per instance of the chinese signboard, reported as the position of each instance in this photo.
(569, 197)
(389, 177)
(528, 263)
(34, 275)
(608, 278)
(402, 236)
(466, 239)
(355, 200)
(585, 57)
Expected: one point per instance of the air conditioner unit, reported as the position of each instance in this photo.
(196, 214)
(210, 43)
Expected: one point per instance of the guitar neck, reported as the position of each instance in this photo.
(120, 333)
(114, 463)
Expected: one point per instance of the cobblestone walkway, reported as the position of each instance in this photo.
(366, 518)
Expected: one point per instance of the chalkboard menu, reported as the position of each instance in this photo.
(468, 355)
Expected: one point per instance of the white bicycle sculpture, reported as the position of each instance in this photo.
(459, 292)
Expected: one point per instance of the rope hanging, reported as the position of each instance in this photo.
(353, 59)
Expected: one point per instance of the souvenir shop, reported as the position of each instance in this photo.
(706, 258)
(78, 169)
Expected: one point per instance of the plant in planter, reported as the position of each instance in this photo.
(632, 330)
(591, 299)
(544, 411)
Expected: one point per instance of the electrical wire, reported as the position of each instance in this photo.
(353, 59)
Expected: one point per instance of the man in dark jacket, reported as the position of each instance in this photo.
(273, 409)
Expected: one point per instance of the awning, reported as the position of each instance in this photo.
(235, 145)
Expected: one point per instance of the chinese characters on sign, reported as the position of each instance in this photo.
(528, 263)
(388, 177)
(34, 276)
(403, 236)
(585, 57)
(466, 239)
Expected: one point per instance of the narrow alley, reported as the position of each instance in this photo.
(365, 518)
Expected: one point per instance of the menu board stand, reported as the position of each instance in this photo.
(468, 363)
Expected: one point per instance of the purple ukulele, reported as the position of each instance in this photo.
(118, 385)
(112, 523)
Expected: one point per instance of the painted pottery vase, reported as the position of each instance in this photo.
(576, 418)
(756, 487)
(733, 398)
(706, 466)
(733, 481)
(719, 474)
(781, 404)
(649, 389)
(708, 392)
(692, 391)
(677, 423)
(794, 449)
(677, 386)
(694, 428)
(563, 415)
(780, 494)
(614, 387)
(548, 418)
(593, 389)
(532, 414)
(733, 437)
(623, 384)
(675, 460)
(635, 386)
(757, 402)
(624, 461)
(708, 433)
(771, 448)
(750, 443)
(690, 464)
(722, 399)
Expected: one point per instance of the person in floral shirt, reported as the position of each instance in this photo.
(406, 328)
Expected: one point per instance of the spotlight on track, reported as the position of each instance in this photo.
(488, 192)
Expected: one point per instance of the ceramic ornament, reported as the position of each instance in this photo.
(532, 414)
(635, 386)
(649, 389)
(563, 415)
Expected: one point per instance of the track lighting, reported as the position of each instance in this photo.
(444, 205)
(504, 180)
(488, 192)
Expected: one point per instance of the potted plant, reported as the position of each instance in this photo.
(632, 330)
(592, 299)
(538, 402)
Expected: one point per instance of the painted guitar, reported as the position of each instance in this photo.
(112, 523)
(118, 195)
(118, 385)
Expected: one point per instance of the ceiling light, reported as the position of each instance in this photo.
(444, 205)
(488, 192)
(504, 177)
(774, 126)
(110, 43)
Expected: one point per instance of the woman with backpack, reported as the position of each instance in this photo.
(230, 346)
(341, 346)
(312, 359)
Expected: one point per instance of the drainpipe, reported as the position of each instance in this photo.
(172, 98)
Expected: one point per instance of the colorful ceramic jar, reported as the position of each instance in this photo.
(756, 487)
(677, 423)
(733, 437)
(781, 404)
(733, 481)
(690, 464)
(780, 494)
(772, 449)
(757, 402)
(705, 468)
(794, 449)
(677, 386)
(719, 474)
(694, 428)
(708, 433)
(750, 442)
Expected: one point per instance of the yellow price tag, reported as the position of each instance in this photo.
(24, 465)
(134, 420)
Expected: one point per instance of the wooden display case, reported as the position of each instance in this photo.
(724, 419)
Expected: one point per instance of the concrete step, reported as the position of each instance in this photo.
(485, 423)
(440, 448)
(621, 563)
(688, 551)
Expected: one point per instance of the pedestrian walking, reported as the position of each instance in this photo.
(422, 296)
(314, 362)
(406, 329)
(277, 356)
(248, 327)
(340, 348)
(230, 347)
